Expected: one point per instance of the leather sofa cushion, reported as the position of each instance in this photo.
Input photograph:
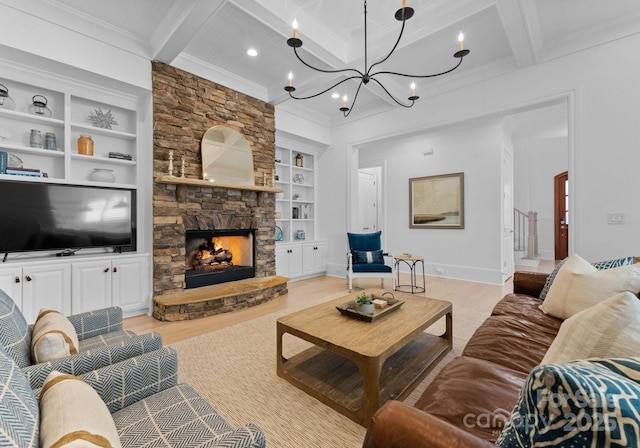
(474, 395)
(526, 308)
(511, 342)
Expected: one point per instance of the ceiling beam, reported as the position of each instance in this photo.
(520, 21)
(181, 23)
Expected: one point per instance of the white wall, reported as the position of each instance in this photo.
(604, 138)
(535, 165)
(70, 49)
(473, 252)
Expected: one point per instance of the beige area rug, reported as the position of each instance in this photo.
(235, 369)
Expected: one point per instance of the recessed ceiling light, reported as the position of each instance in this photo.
(252, 52)
(335, 95)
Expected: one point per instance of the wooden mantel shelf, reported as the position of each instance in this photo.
(175, 180)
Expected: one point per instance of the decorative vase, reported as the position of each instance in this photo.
(85, 145)
(102, 175)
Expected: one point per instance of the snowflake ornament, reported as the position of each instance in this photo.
(102, 120)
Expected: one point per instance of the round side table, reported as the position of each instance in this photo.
(411, 261)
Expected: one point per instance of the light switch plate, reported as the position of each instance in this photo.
(615, 218)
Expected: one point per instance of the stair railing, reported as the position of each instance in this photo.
(525, 233)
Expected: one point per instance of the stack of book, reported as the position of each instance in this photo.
(16, 171)
(30, 172)
(119, 155)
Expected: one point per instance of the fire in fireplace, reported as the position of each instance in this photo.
(218, 256)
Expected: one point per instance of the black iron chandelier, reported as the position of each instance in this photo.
(403, 14)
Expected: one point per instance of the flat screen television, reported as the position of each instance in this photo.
(36, 216)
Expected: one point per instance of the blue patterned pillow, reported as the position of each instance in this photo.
(582, 403)
(367, 257)
(600, 266)
(19, 412)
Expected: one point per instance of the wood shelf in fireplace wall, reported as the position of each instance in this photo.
(175, 180)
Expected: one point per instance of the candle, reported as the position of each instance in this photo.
(295, 28)
(290, 79)
(413, 89)
(344, 101)
(460, 41)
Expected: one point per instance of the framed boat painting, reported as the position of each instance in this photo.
(437, 202)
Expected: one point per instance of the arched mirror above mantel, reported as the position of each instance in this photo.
(226, 157)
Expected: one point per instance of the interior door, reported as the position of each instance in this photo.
(368, 200)
(561, 215)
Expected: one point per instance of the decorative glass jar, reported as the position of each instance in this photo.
(85, 145)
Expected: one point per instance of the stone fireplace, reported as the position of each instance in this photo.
(218, 256)
(185, 107)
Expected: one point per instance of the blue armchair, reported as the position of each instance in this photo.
(102, 342)
(366, 259)
(147, 404)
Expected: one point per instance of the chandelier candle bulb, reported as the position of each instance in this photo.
(460, 41)
(290, 77)
(295, 28)
(404, 3)
(413, 89)
(344, 101)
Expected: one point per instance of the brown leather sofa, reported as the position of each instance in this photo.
(469, 401)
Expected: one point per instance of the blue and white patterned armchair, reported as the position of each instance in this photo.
(148, 406)
(102, 342)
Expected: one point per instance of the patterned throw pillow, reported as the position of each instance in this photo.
(600, 265)
(582, 403)
(367, 257)
(73, 414)
(579, 286)
(54, 337)
(608, 329)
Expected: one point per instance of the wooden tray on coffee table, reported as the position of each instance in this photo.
(349, 308)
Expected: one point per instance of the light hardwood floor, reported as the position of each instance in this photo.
(479, 295)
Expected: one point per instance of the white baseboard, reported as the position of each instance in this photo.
(457, 272)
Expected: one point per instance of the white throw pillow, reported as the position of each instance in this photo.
(579, 286)
(72, 414)
(53, 337)
(609, 329)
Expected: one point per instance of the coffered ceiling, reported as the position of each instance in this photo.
(210, 38)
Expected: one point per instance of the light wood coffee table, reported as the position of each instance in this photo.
(356, 366)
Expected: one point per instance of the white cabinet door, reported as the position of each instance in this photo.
(91, 285)
(282, 260)
(11, 283)
(130, 283)
(289, 260)
(308, 258)
(46, 286)
(295, 261)
(321, 256)
(314, 257)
